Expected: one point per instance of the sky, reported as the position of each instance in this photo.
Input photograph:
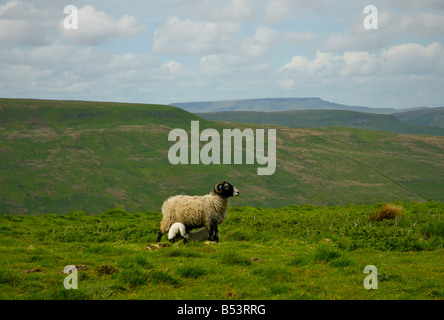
(202, 50)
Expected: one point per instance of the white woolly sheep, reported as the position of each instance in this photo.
(198, 211)
(178, 231)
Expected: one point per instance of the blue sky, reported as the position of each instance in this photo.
(198, 50)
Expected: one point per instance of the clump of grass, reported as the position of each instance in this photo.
(387, 211)
(299, 261)
(325, 252)
(163, 276)
(135, 270)
(276, 273)
(180, 252)
(7, 277)
(280, 288)
(232, 257)
(57, 293)
(191, 271)
(135, 260)
(104, 269)
(343, 262)
(134, 277)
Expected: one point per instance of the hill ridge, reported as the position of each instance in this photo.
(325, 118)
(275, 104)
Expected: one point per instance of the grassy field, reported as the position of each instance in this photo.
(296, 252)
(60, 156)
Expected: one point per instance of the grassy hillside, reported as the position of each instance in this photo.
(325, 118)
(60, 156)
(424, 117)
(296, 252)
(30, 114)
(273, 104)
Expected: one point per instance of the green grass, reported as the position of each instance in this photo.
(296, 252)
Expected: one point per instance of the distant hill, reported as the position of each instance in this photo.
(424, 117)
(325, 118)
(60, 156)
(274, 104)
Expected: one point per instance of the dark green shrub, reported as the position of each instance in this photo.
(435, 228)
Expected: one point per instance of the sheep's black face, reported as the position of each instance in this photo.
(225, 189)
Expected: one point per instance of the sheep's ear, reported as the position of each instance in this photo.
(218, 188)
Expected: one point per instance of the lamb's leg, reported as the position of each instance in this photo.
(178, 238)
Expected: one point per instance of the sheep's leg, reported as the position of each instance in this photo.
(214, 233)
(159, 236)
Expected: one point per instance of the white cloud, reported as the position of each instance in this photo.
(21, 24)
(17, 10)
(9, 6)
(299, 38)
(410, 58)
(436, 4)
(214, 65)
(174, 70)
(277, 10)
(359, 63)
(390, 26)
(217, 49)
(260, 44)
(287, 83)
(211, 10)
(63, 71)
(247, 57)
(178, 36)
(405, 75)
(41, 23)
(323, 65)
(96, 27)
(419, 25)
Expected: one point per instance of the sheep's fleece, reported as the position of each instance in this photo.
(198, 211)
